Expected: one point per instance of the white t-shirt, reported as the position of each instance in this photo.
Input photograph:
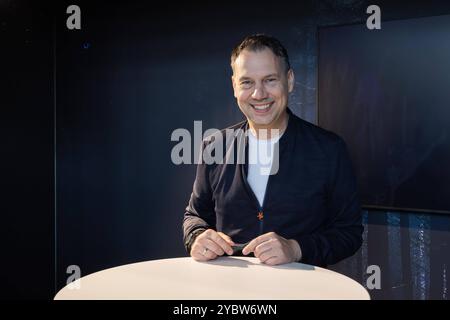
(260, 158)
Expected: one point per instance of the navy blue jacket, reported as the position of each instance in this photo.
(312, 198)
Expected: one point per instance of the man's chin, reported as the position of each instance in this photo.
(261, 121)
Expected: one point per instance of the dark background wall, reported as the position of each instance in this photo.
(393, 84)
(119, 87)
(27, 197)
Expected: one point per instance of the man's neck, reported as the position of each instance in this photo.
(272, 130)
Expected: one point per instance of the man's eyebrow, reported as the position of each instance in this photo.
(272, 75)
(268, 76)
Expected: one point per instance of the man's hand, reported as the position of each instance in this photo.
(211, 244)
(272, 249)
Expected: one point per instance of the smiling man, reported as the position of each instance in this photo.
(261, 83)
(305, 208)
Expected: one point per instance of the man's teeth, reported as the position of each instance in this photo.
(262, 107)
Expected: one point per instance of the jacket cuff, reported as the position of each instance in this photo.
(307, 248)
(191, 238)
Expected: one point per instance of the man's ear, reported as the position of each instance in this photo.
(291, 80)
(234, 86)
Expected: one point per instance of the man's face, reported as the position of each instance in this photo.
(261, 86)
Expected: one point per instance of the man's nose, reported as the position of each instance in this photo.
(259, 93)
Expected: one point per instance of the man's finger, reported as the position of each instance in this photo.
(210, 255)
(254, 243)
(226, 238)
(212, 246)
(262, 248)
(198, 253)
(271, 261)
(226, 247)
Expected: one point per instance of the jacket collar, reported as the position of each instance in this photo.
(287, 133)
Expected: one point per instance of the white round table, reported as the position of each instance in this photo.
(226, 278)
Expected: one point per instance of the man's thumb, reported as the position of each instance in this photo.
(226, 238)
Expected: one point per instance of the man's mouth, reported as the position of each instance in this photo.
(262, 108)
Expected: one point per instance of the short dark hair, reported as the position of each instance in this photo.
(260, 42)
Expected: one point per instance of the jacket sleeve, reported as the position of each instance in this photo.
(199, 213)
(341, 236)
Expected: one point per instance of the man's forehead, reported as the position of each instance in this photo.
(249, 58)
(261, 62)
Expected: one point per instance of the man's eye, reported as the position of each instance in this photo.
(271, 79)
